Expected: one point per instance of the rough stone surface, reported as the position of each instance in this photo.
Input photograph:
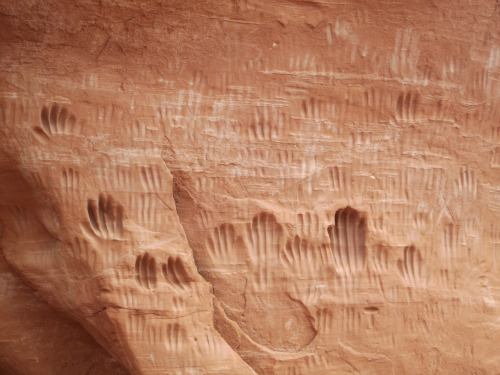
(249, 186)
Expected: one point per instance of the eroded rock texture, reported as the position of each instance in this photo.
(248, 186)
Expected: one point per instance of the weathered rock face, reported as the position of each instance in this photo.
(249, 187)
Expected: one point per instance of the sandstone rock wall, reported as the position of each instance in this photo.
(241, 187)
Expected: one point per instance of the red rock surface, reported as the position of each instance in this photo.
(241, 187)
